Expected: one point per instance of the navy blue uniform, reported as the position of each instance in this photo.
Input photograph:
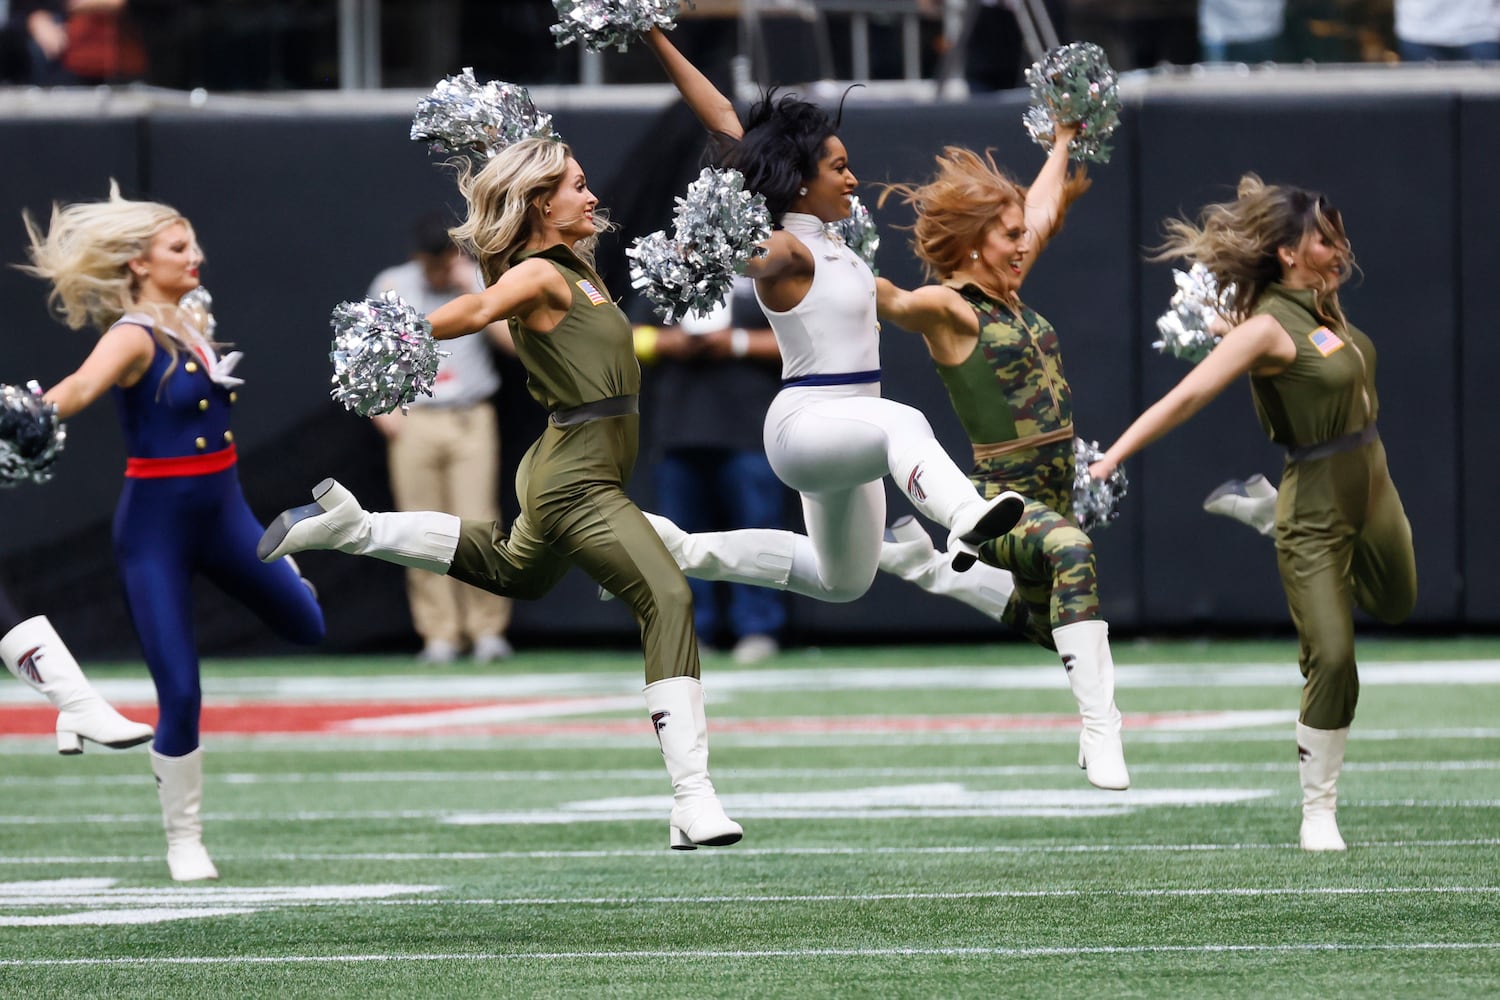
(182, 513)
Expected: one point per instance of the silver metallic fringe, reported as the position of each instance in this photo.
(383, 355)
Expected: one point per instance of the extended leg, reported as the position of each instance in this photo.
(35, 653)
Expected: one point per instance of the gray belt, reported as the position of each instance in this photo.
(1313, 452)
(614, 406)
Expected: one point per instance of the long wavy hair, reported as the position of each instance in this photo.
(85, 254)
(779, 152)
(1238, 242)
(959, 204)
(505, 199)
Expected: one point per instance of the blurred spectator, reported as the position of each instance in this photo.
(1138, 34)
(1241, 31)
(714, 377)
(1447, 30)
(444, 453)
(995, 54)
(74, 42)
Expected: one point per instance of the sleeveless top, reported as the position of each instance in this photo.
(588, 356)
(1329, 389)
(833, 329)
(184, 416)
(1012, 385)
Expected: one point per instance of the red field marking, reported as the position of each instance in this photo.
(251, 718)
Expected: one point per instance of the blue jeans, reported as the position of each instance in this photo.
(1421, 52)
(720, 489)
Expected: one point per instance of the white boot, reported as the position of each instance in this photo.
(179, 784)
(941, 491)
(1249, 501)
(35, 653)
(758, 556)
(420, 539)
(1320, 758)
(698, 820)
(908, 552)
(1084, 648)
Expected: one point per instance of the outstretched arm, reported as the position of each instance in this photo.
(936, 312)
(120, 357)
(1259, 344)
(713, 109)
(532, 291)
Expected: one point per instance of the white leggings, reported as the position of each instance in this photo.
(833, 445)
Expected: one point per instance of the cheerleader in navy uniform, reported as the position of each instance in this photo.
(124, 267)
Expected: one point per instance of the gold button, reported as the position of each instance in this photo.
(190, 367)
(202, 405)
(201, 443)
(234, 397)
(228, 437)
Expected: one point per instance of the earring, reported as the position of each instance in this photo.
(801, 192)
(547, 210)
(973, 254)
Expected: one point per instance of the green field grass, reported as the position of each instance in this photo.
(916, 826)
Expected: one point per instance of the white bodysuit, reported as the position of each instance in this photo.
(831, 437)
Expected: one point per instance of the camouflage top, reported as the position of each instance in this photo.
(1012, 385)
(588, 356)
(1329, 390)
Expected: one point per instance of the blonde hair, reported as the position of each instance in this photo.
(1238, 242)
(959, 204)
(504, 198)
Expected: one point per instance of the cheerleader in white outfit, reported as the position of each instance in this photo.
(829, 435)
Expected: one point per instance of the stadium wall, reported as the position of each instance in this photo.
(297, 207)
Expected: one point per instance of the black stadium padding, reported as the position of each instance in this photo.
(298, 211)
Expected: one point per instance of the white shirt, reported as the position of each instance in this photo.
(1448, 22)
(833, 330)
(1229, 21)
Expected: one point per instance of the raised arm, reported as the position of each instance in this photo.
(532, 291)
(713, 109)
(1044, 199)
(1259, 345)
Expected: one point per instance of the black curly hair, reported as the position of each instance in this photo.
(784, 139)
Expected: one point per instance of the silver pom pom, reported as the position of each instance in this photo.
(1096, 502)
(30, 435)
(463, 116)
(383, 355)
(1074, 83)
(718, 226)
(1192, 326)
(598, 24)
(858, 232)
(198, 306)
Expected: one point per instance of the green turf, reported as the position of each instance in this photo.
(919, 900)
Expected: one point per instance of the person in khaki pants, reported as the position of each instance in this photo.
(444, 452)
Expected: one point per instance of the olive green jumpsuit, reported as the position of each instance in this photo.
(571, 482)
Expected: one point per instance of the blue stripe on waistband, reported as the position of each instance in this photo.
(837, 378)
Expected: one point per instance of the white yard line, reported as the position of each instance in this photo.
(771, 953)
(722, 683)
(425, 857)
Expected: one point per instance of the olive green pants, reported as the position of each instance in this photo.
(574, 512)
(1342, 539)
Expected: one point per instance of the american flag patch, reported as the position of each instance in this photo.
(1325, 340)
(595, 296)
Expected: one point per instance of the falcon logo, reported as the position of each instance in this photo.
(26, 665)
(1068, 660)
(914, 485)
(1303, 754)
(659, 720)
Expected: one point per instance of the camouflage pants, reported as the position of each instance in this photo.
(1050, 557)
